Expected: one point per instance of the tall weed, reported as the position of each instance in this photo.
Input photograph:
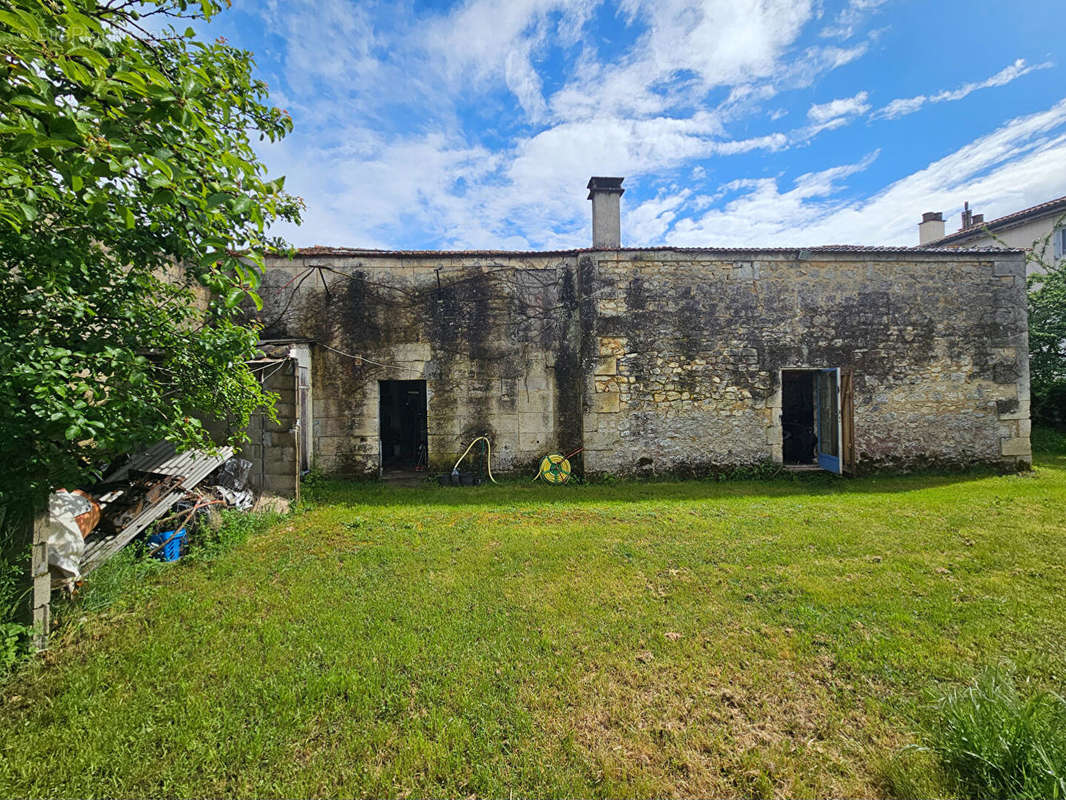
(15, 634)
(991, 740)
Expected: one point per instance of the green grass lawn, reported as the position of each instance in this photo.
(746, 638)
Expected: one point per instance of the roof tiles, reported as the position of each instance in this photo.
(320, 250)
(981, 228)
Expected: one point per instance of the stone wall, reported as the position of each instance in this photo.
(660, 360)
(690, 348)
(491, 336)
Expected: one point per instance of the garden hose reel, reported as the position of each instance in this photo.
(555, 468)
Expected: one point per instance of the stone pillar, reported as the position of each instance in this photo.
(1013, 371)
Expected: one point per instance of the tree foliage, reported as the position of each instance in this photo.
(1047, 336)
(133, 210)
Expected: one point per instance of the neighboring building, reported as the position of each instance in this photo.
(1041, 230)
(653, 360)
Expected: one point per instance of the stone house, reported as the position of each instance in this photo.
(1041, 230)
(658, 360)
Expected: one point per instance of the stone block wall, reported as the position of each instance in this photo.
(489, 335)
(690, 348)
(272, 448)
(661, 360)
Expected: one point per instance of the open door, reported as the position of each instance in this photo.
(817, 419)
(828, 419)
(847, 420)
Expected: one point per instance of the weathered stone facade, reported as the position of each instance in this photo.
(690, 347)
(489, 335)
(660, 360)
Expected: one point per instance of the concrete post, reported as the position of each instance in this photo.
(42, 582)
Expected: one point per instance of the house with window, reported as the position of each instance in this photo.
(1039, 230)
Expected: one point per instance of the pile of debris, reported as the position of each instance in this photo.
(174, 494)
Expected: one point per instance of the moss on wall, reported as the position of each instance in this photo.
(659, 361)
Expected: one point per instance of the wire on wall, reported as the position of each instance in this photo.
(364, 359)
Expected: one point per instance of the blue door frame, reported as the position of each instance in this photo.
(827, 410)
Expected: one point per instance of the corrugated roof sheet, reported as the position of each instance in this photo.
(160, 459)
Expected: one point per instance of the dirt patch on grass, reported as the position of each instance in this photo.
(689, 725)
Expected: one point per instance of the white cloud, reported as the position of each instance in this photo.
(908, 105)
(843, 107)
(631, 115)
(651, 219)
(312, 30)
(366, 194)
(712, 42)
(483, 41)
(761, 215)
(851, 18)
(1014, 167)
(523, 80)
(546, 171)
(372, 179)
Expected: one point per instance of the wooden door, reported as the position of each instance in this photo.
(847, 419)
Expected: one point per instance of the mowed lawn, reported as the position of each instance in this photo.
(694, 639)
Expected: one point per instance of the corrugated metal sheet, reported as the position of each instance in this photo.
(163, 460)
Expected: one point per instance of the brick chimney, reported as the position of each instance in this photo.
(931, 227)
(605, 194)
(967, 216)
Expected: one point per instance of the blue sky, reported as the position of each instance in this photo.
(735, 122)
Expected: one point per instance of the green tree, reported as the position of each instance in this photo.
(1047, 333)
(133, 212)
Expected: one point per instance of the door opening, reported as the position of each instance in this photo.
(404, 430)
(813, 429)
(797, 416)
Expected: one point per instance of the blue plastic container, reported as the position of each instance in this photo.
(171, 551)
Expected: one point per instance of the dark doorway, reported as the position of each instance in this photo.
(404, 435)
(797, 416)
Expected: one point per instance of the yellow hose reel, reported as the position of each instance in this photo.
(555, 468)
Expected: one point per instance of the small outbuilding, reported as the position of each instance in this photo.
(651, 360)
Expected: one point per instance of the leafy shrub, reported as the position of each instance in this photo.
(1047, 342)
(991, 741)
(14, 644)
(15, 634)
(11, 574)
(312, 478)
(1049, 440)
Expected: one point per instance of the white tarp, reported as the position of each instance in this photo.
(65, 541)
